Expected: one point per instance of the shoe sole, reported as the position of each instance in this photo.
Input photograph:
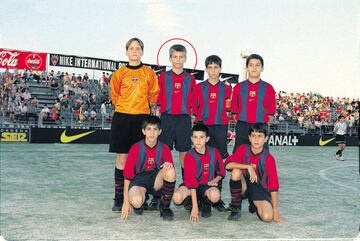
(233, 219)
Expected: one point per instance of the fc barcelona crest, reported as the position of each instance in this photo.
(252, 93)
(177, 86)
(134, 79)
(151, 161)
(212, 95)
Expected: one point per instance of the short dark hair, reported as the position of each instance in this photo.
(213, 59)
(200, 127)
(341, 116)
(177, 48)
(132, 40)
(254, 56)
(151, 120)
(259, 127)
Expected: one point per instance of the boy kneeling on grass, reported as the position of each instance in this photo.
(258, 166)
(203, 170)
(149, 169)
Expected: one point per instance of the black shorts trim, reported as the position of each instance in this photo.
(340, 139)
(176, 130)
(218, 137)
(256, 192)
(201, 189)
(145, 179)
(125, 131)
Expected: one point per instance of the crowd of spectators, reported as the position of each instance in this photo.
(81, 100)
(77, 99)
(311, 110)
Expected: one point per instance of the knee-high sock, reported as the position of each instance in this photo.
(167, 193)
(119, 183)
(235, 190)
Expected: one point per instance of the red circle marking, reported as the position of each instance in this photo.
(196, 57)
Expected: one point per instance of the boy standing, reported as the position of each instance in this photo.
(204, 169)
(149, 168)
(253, 100)
(212, 101)
(340, 131)
(132, 88)
(259, 168)
(175, 100)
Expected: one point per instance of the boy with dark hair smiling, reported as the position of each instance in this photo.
(203, 170)
(262, 184)
(212, 102)
(253, 100)
(149, 169)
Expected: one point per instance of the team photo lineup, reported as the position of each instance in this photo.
(180, 120)
(193, 119)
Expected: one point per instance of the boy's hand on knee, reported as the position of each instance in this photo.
(213, 183)
(252, 173)
(166, 166)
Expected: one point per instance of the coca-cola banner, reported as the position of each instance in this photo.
(12, 59)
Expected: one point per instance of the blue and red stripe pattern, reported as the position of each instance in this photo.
(142, 158)
(253, 102)
(176, 93)
(210, 103)
(202, 168)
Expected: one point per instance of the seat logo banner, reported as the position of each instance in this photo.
(14, 135)
(11, 59)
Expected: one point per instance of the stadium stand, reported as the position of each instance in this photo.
(63, 99)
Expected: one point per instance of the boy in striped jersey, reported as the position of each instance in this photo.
(340, 131)
(175, 101)
(259, 168)
(253, 100)
(212, 101)
(204, 169)
(149, 169)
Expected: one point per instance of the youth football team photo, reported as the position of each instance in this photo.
(179, 120)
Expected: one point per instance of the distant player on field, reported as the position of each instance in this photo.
(340, 131)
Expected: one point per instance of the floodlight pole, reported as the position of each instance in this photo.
(244, 54)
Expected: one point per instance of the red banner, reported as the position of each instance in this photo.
(22, 60)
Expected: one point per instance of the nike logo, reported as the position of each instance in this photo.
(323, 143)
(66, 139)
(223, 79)
(194, 73)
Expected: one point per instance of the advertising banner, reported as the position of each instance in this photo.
(11, 59)
(14, 135)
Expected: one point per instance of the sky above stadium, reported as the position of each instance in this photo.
(307, 45)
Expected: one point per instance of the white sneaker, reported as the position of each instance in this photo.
(337, 157)
(341, 158)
